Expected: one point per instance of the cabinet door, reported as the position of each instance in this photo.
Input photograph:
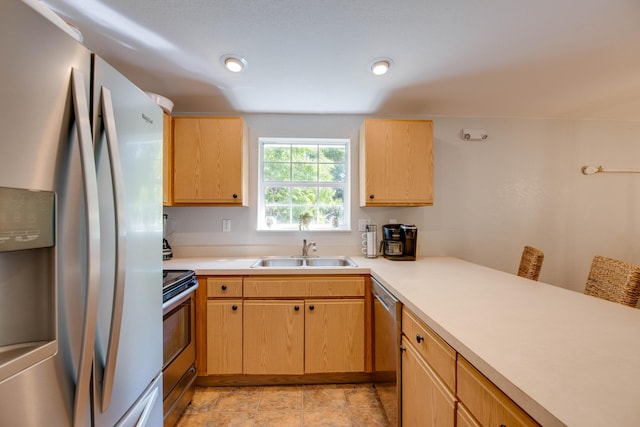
(273, 337)
(167, 157)
(334, 336)
(486, 402)
(396, 163)
(224, 337)
(210, 156)
(426, 401)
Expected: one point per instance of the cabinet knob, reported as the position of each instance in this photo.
(419, 338)
(296, 308)
(223, 287)
(371, 196)
(234, 307)
(235, 196)
(403, 348)
(311, 307)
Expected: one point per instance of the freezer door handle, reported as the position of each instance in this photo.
(90, 185)
(108, 122)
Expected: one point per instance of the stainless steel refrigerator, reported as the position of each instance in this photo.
(80, 234)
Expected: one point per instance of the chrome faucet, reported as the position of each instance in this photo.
(305, 247)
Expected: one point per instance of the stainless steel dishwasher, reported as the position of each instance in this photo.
(387, 313)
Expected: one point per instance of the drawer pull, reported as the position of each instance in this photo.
(223, 287)
(371, 196)
(235, 196)
(234, 307)
(419, 338)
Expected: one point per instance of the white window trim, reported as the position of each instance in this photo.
(346, 225)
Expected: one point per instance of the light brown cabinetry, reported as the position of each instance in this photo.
(167, 157)
(224, 337)
(274, 337)
(428, 376)
(283, 325)
(328, 309)
(334, 336)
(224, 325)
(464, 417)
(486, 402)
(426, 400)
(210, 161)
(396, 163)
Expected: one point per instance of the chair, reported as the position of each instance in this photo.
(614, 280)
(530, 263)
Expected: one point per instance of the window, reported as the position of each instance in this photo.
(303, 184)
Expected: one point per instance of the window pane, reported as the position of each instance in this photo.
(277, 153)
(331, 173)
(329, 213)
(332, 154)
(280, 214)
(277, 172)
(277, 195)
(300, 212)
(304, 195)
(331, 196)
(304, 153)
(304, 172)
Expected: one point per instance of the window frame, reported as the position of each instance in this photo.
(346, 185)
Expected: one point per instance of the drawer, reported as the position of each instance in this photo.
(440, 355)
(464, 417)
(305, 286)
(486, 402)
(274, 287)
(220, 287)
(332, 286)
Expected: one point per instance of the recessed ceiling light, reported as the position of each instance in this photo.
(380, 66)
(234, 63)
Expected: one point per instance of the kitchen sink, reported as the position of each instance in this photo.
(303, 262)
(279, 262)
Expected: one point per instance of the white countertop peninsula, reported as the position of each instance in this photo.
(564, 357)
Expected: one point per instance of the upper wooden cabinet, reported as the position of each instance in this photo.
(210, 161)
(396, 163)
(167, 155)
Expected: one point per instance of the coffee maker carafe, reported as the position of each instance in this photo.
(399, 242)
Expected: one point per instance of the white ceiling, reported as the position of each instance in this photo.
(504, 58)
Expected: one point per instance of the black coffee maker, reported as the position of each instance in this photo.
(399, 242)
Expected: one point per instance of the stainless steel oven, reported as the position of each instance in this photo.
(179, 352)
(387, 314)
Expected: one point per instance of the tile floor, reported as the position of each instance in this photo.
(348, 405)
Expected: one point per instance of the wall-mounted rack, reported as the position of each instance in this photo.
(589, 170)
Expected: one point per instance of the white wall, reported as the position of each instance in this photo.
(523, 185)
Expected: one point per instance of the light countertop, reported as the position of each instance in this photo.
(564, 357)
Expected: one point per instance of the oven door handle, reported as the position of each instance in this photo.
(178, 299)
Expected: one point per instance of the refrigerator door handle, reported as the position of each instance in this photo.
(121, 235)
(92, 212)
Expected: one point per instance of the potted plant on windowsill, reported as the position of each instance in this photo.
(333, 216)
(304, 220)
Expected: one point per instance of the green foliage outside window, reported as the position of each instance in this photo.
(304, 179)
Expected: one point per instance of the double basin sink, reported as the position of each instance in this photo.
(303, 262)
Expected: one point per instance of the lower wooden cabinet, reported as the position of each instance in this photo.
(273, 338)
(224, 337)
(464, 417)
(486, 402)
(334, 336)
(426, 400)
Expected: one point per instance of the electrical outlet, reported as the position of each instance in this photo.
(226, 225)
(362, 224)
